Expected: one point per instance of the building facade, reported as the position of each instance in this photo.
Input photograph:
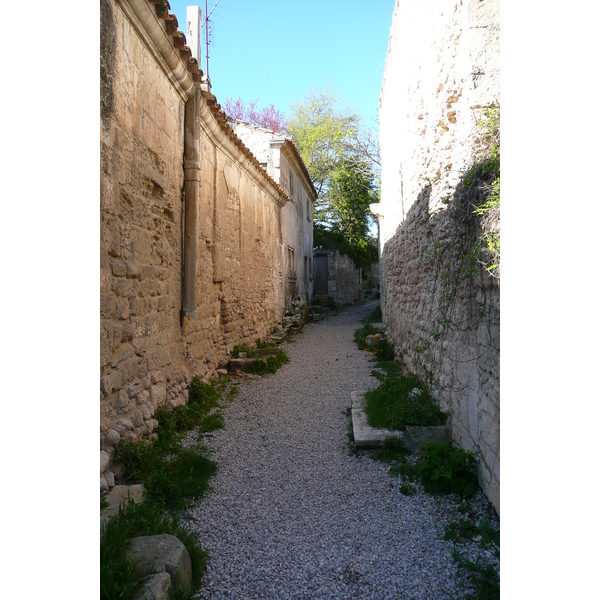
(278, 155)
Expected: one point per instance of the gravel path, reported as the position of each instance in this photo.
(291, 513)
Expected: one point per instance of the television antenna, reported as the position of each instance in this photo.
(207, 34)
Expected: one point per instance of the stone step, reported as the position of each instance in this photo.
(277, 337)
(244, 364)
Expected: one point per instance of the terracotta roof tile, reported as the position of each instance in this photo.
(179, 42)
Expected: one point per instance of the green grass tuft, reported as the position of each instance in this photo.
(395, 403)
(173, 476)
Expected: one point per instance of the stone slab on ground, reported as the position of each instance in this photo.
(244, 364)
(277, 337)
(161, 554)
(414, 438)
(378, 326)
(120, 495)
(366, 436)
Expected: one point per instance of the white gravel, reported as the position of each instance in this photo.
(291, 514)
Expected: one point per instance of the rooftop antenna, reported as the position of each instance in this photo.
(207, 33)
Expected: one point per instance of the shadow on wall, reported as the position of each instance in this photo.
(443, 313)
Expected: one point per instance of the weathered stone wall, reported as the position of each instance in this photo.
(240, 272)
(140, 228)
(441, 72)
(149, 351)
(278, 155)
(296, 224)
(343, 278)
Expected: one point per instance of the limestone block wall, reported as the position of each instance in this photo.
(442, 71)
(278, 155)
(140, 228)
(152, 113)
(240, 272)
(343, 278)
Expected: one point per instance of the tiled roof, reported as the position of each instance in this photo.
(221, 118)
(179, 42)
(290, 144)
(162, 12)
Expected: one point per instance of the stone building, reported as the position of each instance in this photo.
(442, 71)
(278, 154)
(193, 253)
(336, 277)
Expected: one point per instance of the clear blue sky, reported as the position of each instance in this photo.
(276, 51)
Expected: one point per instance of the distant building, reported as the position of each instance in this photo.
(278, 155)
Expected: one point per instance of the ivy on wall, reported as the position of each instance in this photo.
(467, 259)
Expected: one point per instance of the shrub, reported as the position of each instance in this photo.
(445, 468)
(276, 358)
(395, 404)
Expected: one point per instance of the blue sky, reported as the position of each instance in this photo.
(276, 51)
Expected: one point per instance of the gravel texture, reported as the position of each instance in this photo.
(293, 514)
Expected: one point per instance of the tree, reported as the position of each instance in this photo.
(268, 118)
(342, 158)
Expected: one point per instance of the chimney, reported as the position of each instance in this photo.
(192, 31)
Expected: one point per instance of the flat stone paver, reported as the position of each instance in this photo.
(366, 436)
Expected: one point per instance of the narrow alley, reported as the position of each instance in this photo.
(292, 513)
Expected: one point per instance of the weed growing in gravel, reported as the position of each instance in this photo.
(399, 401)
(444, 468)
(360, 335)
(483, 532)
(482, 578)
(170, 479)
(392, 451)
(275, 357)
(235, 353)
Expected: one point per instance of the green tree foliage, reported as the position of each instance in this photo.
(341, 158)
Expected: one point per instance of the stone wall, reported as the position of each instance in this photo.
(279, 156)
(441, 73)
(343, 278)
(187, 216)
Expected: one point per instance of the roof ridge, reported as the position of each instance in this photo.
(179, 43)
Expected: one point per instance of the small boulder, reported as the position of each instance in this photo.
(156, 587)
(162, 554)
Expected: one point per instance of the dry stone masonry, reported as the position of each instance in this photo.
(442, 71)
(337, 277)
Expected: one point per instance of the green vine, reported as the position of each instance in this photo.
(467, 261)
